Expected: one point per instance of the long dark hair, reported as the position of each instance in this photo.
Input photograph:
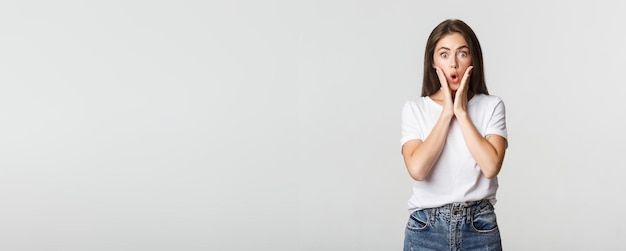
(476, 84)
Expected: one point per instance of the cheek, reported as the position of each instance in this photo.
(465, 62)
(438, 63)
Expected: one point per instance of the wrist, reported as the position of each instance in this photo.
(461, 115)
(447, 115)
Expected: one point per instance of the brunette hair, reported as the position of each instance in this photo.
(476, 84)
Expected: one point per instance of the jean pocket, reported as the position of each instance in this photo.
(485, 221)
(418, 221)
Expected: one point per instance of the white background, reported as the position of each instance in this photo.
(274, 125)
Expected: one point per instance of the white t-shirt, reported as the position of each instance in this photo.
(455, 177)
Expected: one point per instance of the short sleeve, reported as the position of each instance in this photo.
(409, 124)
(497, 123)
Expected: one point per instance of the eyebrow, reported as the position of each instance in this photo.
(460, 47)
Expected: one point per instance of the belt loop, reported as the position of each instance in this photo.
(468, 215)
(432, 215)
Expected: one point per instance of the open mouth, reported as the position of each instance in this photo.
(454, 76)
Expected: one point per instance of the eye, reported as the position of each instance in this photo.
(444, 55)
(462, 54)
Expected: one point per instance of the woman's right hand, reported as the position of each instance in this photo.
(448, 102)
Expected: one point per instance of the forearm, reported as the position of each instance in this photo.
(420, 158)
(488, 157)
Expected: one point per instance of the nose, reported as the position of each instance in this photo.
(453, 63)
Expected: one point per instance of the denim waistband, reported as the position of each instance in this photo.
(465, 204)
(459, 209)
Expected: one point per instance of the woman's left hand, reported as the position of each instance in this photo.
(460, 99)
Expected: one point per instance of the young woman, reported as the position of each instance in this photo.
(453, 142)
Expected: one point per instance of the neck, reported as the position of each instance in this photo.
(439, 95)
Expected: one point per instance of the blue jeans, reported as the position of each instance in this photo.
(455, 226)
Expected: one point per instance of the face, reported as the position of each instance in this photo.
(452, 56)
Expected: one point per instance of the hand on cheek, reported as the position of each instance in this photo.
(448, 104)
(461, 96)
